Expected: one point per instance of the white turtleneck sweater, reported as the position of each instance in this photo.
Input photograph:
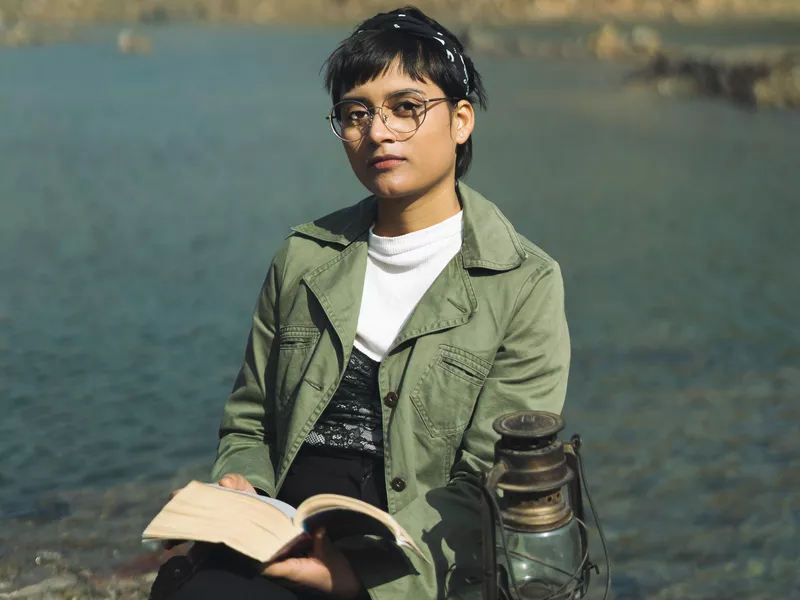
(399, 271)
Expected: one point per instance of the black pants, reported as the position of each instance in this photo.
(223, 577)
(228, 575)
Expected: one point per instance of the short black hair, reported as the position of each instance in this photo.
(367, 54)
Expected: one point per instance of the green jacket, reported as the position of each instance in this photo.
(488, 337)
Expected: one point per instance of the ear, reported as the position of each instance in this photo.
(463, 121)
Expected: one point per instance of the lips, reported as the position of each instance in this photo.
(385, 161)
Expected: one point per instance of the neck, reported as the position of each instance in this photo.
(399, 216)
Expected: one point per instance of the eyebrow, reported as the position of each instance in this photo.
(403, 91)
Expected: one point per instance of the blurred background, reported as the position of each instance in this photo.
(153, 155)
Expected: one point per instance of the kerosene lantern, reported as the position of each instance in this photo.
(535, 542)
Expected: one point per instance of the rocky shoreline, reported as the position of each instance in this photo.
(750, 84)
(57, 579)
(750, 77)
(327, 11)
(64, 583)
(84, 544)
(756, 76)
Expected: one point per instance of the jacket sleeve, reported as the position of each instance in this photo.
(530, 368)
(246, 433)
(529, 373)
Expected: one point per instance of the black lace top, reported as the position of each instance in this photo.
(352, 419)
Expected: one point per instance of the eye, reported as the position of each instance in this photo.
(356, 114)
(351, 113)
(406, 108)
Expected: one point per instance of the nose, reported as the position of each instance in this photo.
(378, 130)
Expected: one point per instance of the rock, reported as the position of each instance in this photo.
(479, 41)
(148, 578)
(9, 570)
(47, 556)
(17, 36)
(755, 568)
(129, 42)
(156, 14)
(677, 86)
(747, 83)
(782, 88)
(609, 44)
(549, 10)
(59, 583)
(265, 12)
(645, 40)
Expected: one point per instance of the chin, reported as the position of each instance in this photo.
(388, 186)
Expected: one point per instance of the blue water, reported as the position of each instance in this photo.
(141, 199)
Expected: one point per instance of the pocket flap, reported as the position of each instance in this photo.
(463, 364)
(292, 337)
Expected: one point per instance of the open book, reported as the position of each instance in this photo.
(264, 528)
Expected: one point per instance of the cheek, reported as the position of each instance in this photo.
(354, 156)
(435, 147)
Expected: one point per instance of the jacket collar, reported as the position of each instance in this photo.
(490, 241)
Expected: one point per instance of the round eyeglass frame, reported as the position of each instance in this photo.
(371, 112)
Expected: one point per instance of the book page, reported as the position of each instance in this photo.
(208, 513)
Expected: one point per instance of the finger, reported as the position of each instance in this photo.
(318, 548)
(285, 569)
(230, 481)
(234, 481)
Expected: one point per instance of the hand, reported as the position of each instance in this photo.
(325, 570)
(234, 481)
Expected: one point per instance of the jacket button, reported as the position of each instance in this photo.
(390, 399)
(398, 484)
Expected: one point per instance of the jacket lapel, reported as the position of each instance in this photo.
(338, 286)
(449, 302)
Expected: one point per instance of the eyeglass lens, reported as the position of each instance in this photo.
(402, 113)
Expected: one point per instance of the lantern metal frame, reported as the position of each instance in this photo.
(557, 466)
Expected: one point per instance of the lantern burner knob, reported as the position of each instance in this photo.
(529, 428)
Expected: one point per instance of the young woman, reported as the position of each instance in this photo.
(389, 335)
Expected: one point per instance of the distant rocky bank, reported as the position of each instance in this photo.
(451, 11)
(750, 76)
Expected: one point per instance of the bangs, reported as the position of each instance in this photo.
(368, 55)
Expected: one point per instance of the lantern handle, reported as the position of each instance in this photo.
(490, 517)
(576, 444)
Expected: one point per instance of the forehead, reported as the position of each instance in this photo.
(394, 79)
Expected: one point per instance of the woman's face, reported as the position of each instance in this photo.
(420, 161)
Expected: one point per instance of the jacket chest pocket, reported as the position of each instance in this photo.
(295, 346)
(447, 390)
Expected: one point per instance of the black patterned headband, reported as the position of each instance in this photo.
(415, 26)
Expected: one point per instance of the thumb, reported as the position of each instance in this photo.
(227, 482)
(319, 542)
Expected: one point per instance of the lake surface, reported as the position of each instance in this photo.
(141, 199)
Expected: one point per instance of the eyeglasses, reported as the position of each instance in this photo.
(403, 113)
